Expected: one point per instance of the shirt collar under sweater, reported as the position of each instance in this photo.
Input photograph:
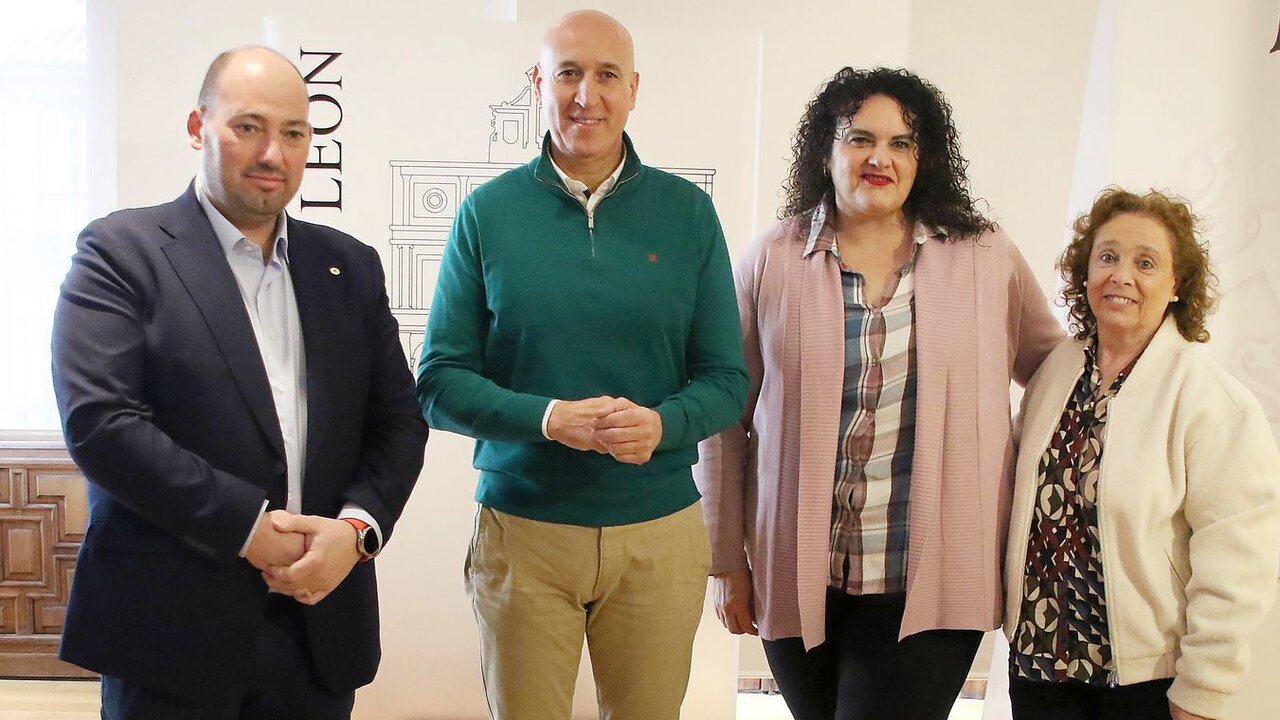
(579, 190)
(546, 172)
(822, 232)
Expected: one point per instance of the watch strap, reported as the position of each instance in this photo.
(363, 531)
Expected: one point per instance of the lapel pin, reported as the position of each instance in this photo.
(334, 271)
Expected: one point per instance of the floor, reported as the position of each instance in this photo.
(48, 700)
(72, 700)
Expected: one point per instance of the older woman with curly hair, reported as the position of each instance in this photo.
(1145, 529)
(856, 511)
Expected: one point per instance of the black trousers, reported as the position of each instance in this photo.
(1078, 701)
(285, 685)
(862, 671)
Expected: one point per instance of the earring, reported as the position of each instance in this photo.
(1175, 299)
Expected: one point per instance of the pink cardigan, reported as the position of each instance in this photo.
(981, 319)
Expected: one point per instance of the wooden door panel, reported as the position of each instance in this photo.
(43, 516)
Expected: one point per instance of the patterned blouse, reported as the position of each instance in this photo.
(1061, 633)
(877, 428)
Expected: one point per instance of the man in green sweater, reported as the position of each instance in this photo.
(584, 331)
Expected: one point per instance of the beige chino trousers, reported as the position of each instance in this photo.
(634, 591)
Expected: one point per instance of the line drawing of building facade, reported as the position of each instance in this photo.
(425, 195)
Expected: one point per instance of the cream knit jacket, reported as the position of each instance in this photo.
(1188, 514)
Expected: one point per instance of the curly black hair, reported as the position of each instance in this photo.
(940, 195)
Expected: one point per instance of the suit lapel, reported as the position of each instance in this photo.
(201, 265)
(311, 270)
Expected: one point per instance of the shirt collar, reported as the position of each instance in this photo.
(1093, 371)
(579, 189)
(822, 234)
(229, 236)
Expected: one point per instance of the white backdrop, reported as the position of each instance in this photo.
(1053, 101)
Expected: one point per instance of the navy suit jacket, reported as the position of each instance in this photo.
(167, 410)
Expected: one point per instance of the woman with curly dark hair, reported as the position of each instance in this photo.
(1142, 552)
(857, 510)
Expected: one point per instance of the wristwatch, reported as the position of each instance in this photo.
(366, 539)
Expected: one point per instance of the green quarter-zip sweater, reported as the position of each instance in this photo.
(537, 300)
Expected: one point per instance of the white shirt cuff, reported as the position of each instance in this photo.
(262, 512)
(351, 510)
(546, 417)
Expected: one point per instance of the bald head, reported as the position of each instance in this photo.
(252, 53)
(586, 81)
(582, 24)
(252, 130)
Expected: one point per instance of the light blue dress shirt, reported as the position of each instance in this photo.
(267, 290)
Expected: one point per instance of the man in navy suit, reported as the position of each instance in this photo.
(232, 385)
